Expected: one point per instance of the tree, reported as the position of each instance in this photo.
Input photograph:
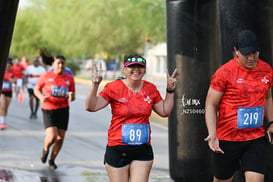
(77, 27)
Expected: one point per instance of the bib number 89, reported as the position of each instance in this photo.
(135, 134)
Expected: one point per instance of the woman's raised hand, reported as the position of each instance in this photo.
(171, 80)
(96, 75)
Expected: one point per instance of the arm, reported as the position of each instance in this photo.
(71, 93)
(13, 80)
(164, 107)
(212, 101)
(25, 79)
(25, 76)
(38, 93)
(269, 113)
(71, 96)
(93, 101)
(269, 106)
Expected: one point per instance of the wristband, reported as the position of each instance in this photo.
(270, 123)
(172, 91)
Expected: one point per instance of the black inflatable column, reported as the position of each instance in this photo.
(8, 10)
(234, 16)
(190, 38)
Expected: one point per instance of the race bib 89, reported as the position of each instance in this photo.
(250, 117)
(135, 134)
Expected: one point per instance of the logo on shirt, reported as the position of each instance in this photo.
(265, 80)
(67, 82)
(240, 80)
(123, 100)
(148, 100)
(50, 80)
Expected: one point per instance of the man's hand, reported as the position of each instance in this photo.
(213, 143)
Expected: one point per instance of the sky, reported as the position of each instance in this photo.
(22, 3)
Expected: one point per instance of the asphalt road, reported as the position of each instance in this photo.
(81, 158)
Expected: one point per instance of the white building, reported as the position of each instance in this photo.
(157, 62)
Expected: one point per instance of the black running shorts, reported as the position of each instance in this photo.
(7, 94)
(246, 155)
(57, 118)
(122, 155)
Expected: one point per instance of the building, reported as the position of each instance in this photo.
(157, 62)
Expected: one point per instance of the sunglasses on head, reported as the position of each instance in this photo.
(136, 59)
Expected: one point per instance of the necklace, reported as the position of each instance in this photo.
(138, 89)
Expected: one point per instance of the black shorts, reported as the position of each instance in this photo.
(31, 92)
(7, 94)
(247, 155)
(122, 155)
(57, 118)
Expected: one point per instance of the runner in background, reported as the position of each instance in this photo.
(6, 93)
(32, 73)
(48, 61)
(55, 89)
(18, 73)
(24, 63)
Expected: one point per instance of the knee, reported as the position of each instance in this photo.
(59, 139)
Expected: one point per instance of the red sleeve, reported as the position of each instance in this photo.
(72, 85)
(105, 92)
(218, 80)
(154, 93)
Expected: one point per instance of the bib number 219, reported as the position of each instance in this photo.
(250, 117)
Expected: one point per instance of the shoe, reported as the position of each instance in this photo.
(35, 115)
(31, 116)
(52, 164)
(44, 156)
(3, 126)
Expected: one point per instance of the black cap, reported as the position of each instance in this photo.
(247, 42)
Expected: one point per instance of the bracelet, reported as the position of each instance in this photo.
(270, 123)
(170, 91)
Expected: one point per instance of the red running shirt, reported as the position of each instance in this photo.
(242, 88)
(128, 107)
(24, 65)
(56, 88)
(17, 70)
(7, 85)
